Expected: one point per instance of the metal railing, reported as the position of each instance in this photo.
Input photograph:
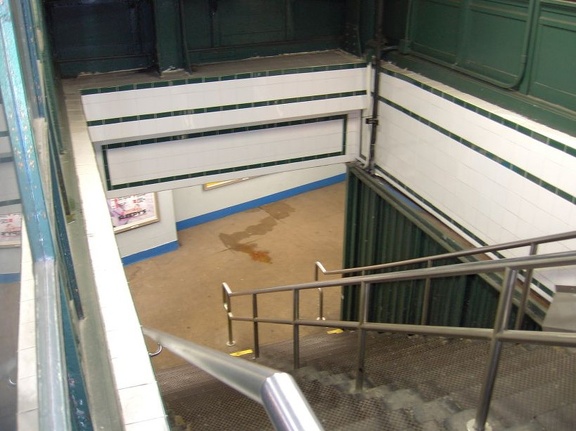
(496, 335)
(277, 392)
(533, 243)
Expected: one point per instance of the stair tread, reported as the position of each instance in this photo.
(427, 384)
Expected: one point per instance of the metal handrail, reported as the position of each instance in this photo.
(278, 393)
(533, 243)
(497, 336)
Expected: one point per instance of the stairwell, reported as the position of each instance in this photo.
(411, 383)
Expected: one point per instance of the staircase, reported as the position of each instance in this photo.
(411, 383)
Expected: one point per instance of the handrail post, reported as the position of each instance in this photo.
(426, 298)
(525, 290)
(500, 324)
(296, 328)
(320, 304)
(361, 354)
(317, 267)
(227, 303)
(255, 326)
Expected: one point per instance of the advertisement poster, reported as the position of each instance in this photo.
(130, 212)
(10, 230)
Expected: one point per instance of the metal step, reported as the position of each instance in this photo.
(412, 383)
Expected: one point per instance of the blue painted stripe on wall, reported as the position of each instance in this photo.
(10, 278)
(204, 218)
(147, 254)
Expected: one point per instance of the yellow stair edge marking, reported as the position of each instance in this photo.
(242, 352)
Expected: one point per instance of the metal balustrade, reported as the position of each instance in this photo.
(532, 243)
(277, 392)
(497, 335)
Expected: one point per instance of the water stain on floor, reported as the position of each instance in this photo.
(237, 240)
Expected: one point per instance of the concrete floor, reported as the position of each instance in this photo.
(276, 244)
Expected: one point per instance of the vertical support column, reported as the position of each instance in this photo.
(296, 328)
(426, 298)
(255, 326)
(500, 324)
(363, 311)
(525, 291)
(170, 46)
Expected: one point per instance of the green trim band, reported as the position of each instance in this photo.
(201, 80)
(225, 108)
(6, 158)
(223, 171)
(10, 202)
(504, 163)
(220, 132)
(480, 111)
(110, 186)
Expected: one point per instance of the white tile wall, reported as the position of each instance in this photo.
(221, 93)
(4, 144)
(9, 187)
(489, 200)
(167, 159)
(27, 409)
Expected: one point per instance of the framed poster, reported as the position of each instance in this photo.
(10, 230)
(131, 212)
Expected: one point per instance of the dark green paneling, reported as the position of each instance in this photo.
(524, 45)
(171, 52)
(435, 28)
(395, 12)
(257, 21)
(318, 18)
(101, 35)
(236, 29)
(554, 69)
(494, 39)
(383, 226)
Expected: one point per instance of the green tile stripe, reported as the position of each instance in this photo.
(110, 186)
(242, 75)
(490, 115)
(6, 158)
(195, 111)
(181, 137)
(10, 202)
(504, 163)
(223, 171)
(453, 222)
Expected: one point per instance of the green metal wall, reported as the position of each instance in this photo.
(383, 226)
(107, 35)
(232, 29)
(101, 36)
(524, 45)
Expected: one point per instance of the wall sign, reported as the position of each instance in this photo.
(10, 230)
(130, 212)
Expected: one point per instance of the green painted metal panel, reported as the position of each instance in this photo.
(255, 21)
(434, 29)
(318, 18)
(198, 25)
(553, 76)
(168, 30)
(494, 38)
(101, 35)
(383, 226)
(524, 45)
(235, 29)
